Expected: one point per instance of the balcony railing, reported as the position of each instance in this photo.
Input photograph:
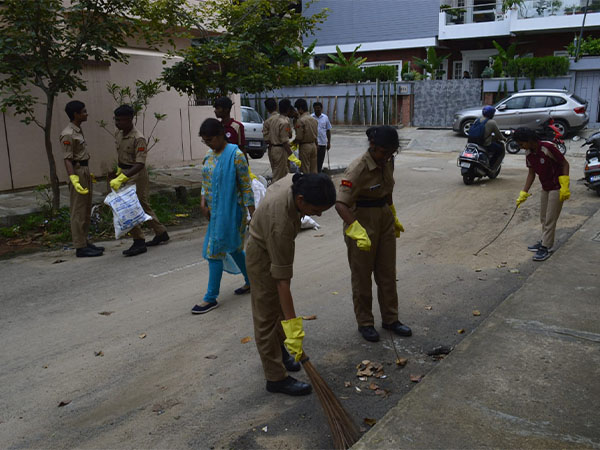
(483, 12)
(547, 8)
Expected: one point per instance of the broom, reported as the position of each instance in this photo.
(343, 429)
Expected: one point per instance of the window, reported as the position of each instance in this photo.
(457, 72)
(538, 101)
(516, 103)
(555, 101)
(250, 116)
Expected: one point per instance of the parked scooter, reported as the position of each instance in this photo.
(547, 132)
(591, 171)
(474, 162)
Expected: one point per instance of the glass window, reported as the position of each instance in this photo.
(555, 101)
(578, 99)
(516, 102)
(537, 101)
(250, 116)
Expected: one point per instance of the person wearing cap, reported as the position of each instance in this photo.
(364, 202)
(76, 159)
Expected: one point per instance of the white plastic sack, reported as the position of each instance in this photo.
(126, 208)
(307, 222)
(293, 167)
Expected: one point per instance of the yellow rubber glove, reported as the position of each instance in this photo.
(77, 185)
(359, 234)
(252, 176)
(565, 193)
(119, 171)
(295, 160)
(116, 183)
(93, 178)
(294, 146)
(398, 228)
(294, 334)
(522, 197)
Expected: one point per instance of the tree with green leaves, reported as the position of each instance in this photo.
(339, 60)
(46, 44)
(433, 63)
(503, 57)
(251, 52)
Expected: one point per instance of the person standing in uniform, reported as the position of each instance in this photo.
(549, 164)
(271, 106)
(371, 227)
(76, 159)
(132, 151)
(306, 128)
(324, 134)
(227, 198)
(234, 130)
(270, 258)
(280, 133)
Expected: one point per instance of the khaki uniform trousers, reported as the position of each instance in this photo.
(80, 207)
(549, 212)
(266, 312)
(142, 189)
(278, 158)
(381, 260)
(308, 157)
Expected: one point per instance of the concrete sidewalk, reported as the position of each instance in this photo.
(528, 377)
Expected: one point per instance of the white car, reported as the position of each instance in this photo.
(253, 126)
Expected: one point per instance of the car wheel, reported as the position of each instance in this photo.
(466, 126)
(562, 126)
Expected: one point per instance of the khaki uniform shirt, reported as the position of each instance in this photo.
(275, 225)
(307, 129)
(365, 180)
(73, 142)
(280, 131)
(267, 124)
(132, 147)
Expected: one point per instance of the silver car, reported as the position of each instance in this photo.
(530, 108)
(253, 126)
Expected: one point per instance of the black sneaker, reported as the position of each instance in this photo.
(289, 386)
(163, 237)
(369, 333)
(535, 247)
(204, 309)
(138, 247)
(95, 247)
(542, 254)
(87, 252)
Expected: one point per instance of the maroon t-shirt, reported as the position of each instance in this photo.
(546, 163)
(234, 132)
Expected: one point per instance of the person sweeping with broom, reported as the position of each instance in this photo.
(269, 260)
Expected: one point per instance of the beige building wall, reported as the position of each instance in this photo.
(23, 161)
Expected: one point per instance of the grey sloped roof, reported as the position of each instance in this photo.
(352, 21)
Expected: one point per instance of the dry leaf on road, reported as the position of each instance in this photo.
(373, 387)
(429, 308)
(106, 313)
(369, 421)
(347, 384)
(142, 336)
(461, 331)
(416, 378)
(100, 353)
(64, 403)
(401, 361)
(246, 340)
(211, 356)
(476, 312)
(313, 317)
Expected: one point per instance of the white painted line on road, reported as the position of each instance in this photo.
(177, 269)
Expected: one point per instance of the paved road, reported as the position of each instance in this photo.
(168, 379)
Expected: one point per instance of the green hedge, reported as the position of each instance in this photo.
(545, 66)
(340, 74)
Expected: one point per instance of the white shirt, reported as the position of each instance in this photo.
(324, 125)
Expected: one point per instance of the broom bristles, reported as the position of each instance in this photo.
(343, 429)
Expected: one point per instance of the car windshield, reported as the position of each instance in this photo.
(250, 116)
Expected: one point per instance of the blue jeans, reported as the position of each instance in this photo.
(215, 273)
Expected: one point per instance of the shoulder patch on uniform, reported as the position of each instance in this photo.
(67, 142)
(141, 149)
(347, 183)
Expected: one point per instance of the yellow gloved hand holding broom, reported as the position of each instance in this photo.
(294, 334)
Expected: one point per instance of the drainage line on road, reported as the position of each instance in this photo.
(501, 231)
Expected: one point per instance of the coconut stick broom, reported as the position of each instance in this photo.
(343, 429)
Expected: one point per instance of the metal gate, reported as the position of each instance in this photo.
(587, 86)
(436, 101)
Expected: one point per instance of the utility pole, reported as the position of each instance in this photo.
(581, 31)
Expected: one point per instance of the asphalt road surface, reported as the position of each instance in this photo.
(163, 378)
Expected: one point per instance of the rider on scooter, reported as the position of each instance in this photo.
(493, 139)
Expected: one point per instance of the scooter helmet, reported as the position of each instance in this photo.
(488, 111)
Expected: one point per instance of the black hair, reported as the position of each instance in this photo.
(74, 106)
(223, 102)
(316, 188)
(301, 104)
(270, 104)
(318, 104)
(384, 136)
(524, 134)
(212, 127)
(284, 105)
(124, 110)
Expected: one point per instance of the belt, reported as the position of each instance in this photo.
(125, 166)
(276, 145)
(371, 203)
(81, 163)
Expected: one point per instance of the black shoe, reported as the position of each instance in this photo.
(398, 328)
(163, 237)
(289, 362)
(95, 247)
(197, 309)
(87, 252)
(289, 386)
(542, 254)
(535, 247)
(369, 333)
(138, 247)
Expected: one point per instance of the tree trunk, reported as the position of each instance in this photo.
(49, 154)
